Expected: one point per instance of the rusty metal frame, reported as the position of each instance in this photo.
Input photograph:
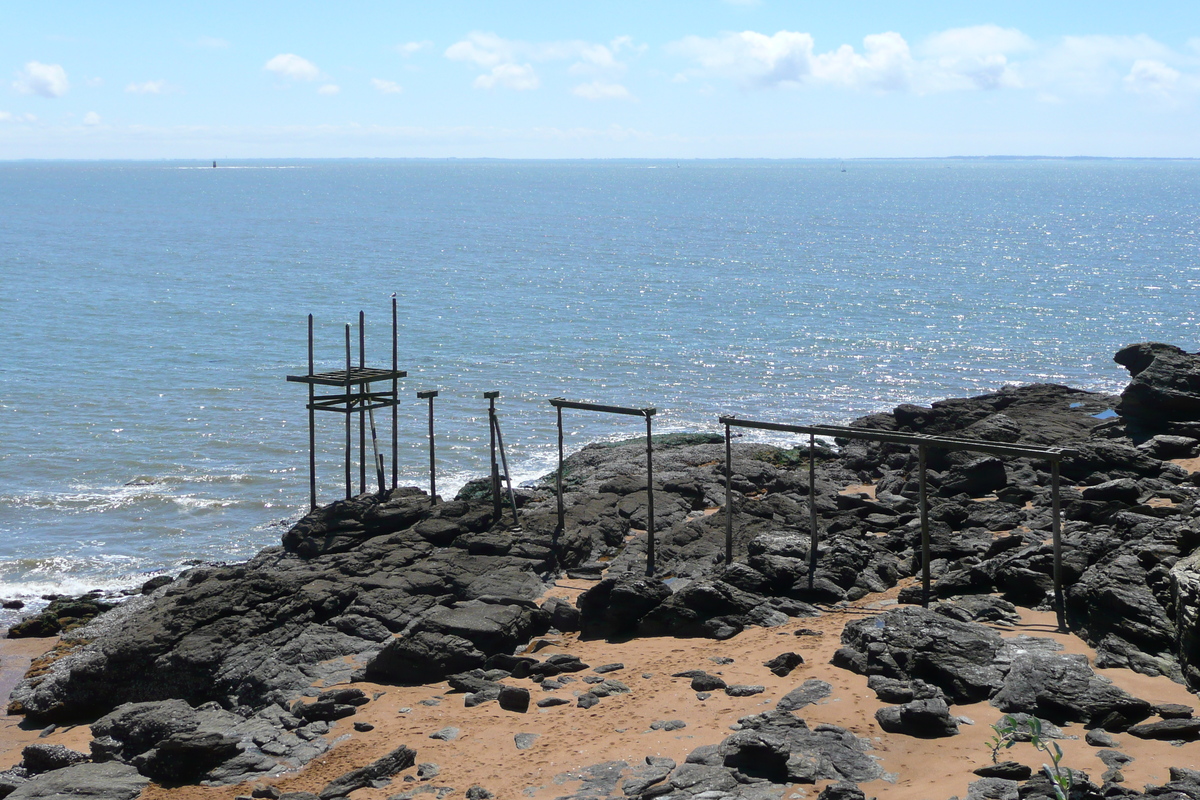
(559, 404)
(922, 442)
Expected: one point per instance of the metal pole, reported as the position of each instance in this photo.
(560, 472)
(396, 401)
(728, 495)
(491, 398)
(649, 495)
(921, 452)
(512, 498)
(349, 405)
(1059, 605)
(362, 404)
(432, 463)
(814, 532)
(312, 425)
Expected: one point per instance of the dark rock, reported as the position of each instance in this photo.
(563, 616)
(783, 664)
(841, 791)
(807, 693)
(550, 702)
(423, 657)
(1098, 737)
(1187, 730)
(667, 725)
(1173, 711)
(396, 761)
(479, 793)
(1063, 688)
(157, 582)
(38, 758)
(1009, 770)
(615, 606)
(514, 698)
(924, 719)
(742, 690)
(110, 781)
(606, 668)
(63, 614)
(1122, 490)
(363, 727)
(1164, 385)
(587, 700)
(993, 789)
(907, 643)
(558, 664)
(706, 683)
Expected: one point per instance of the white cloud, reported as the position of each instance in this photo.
(1147, 76)
(47, 80)
(91, 118)
(329, 88)
(290, 65)
(148, 87)
(412, 48)
(511, 76)
(386, 87)
(8, 116)
(510, 62)
(982, 57)
(598, 90)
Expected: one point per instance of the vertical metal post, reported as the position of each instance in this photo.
(362, 404)
(649, 493)
(349, 414)
(495, 470)
(728, 495)
(1059, 603)
(814, 532)
(921, 454)
(312, 425)
(432, 462)
(396, 402)
(561, 521)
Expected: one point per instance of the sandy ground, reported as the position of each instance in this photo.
(569, 737)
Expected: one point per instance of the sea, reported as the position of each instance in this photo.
(150, 313)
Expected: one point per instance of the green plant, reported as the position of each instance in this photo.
(1008, 731)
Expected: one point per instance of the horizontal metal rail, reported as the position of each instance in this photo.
(559, 402)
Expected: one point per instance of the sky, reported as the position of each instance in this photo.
(649, 79)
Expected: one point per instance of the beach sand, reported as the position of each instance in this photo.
(619, 727)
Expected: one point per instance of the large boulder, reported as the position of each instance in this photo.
(111, 781)
(918, 643)
(1063, 688)
(1164, 384)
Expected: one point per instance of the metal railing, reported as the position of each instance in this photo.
(922, 442)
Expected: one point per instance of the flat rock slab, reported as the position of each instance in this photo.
(807, 693)
(107, 781)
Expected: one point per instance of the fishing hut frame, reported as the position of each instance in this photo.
(357, 397)
(922, 442)
(559, 404)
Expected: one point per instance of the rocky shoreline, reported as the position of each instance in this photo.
(239, 674)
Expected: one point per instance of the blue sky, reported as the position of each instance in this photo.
(656, 78)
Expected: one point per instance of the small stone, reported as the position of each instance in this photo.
(647, 675)
(263, 790)
(476, 793)
(605, 668)
(807, 632)
(525, 740)
(363, 727)
(660, 761)
(550, 702)
(744, 691)
(667, 725)
(427, 771)
(592, 679)
(405, 710)
(47, 731)
(703, 695)
(432, 701)
(722, 660)
(707, 683)
(1098, 737)
(783, 664)
(587, 700)
(1010, 770)
(448, 734)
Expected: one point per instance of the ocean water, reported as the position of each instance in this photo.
(149, 313)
